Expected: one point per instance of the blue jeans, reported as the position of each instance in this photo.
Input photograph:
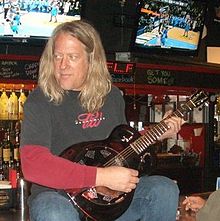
(155, 199)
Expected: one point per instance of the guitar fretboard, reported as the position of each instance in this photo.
(153, 135)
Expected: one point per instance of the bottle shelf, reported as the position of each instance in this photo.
(17, 86)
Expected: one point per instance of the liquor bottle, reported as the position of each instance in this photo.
(21, 100)
(6, 155)
(1, 152)
(13, 106)
(11, 147)
(16, 152)
(4, 106)
(2, 175)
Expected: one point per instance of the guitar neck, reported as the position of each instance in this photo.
(153, 135)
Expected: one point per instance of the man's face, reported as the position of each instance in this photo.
(70, 62)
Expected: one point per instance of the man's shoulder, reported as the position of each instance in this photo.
(37, 93)
(116, 91)
(36, 96)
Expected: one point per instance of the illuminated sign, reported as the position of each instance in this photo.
(120, 68)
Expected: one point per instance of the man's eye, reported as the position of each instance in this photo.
(72, 57)
(57, 56)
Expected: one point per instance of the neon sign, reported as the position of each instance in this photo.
(120, 68)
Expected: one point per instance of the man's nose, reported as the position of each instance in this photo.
(64, 63)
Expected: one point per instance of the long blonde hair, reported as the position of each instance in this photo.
(98, 81)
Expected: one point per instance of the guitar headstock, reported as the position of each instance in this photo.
(195, 100)
(199, 98)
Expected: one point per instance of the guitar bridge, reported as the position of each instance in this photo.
(90, 194)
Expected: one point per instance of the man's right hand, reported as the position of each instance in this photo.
(117, 178)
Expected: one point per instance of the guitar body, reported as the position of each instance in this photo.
(103, 204)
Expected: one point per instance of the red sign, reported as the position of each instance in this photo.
(120, 68)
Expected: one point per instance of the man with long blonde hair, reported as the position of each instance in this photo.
(75, 102)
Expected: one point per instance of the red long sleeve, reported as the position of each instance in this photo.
(40, 166)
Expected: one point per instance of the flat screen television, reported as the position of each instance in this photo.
(34, 20)
(169, 26)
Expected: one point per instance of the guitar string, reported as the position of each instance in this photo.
(129, 150)
(143, 142)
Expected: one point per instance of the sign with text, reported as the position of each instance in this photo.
(121, 72)
(120, 67)
(176, 77)
(19, 68)
(160, 77)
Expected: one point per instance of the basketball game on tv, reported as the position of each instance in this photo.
(35, 18)
(170, 24)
